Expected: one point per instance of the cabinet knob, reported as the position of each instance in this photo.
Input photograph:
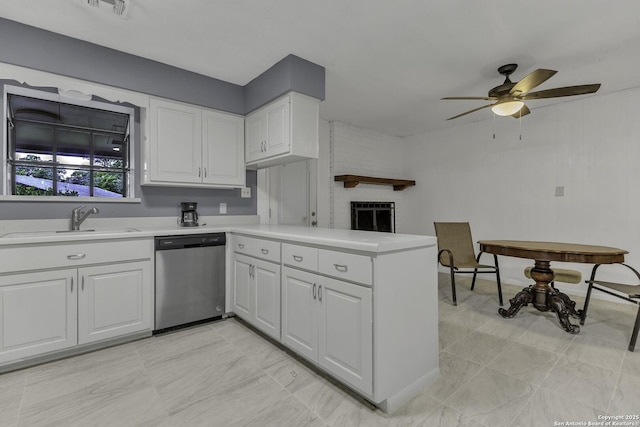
(241, 246)
(265, 251)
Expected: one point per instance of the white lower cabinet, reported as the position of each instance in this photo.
(37, 313)
(329, 321)
(256, 296)
(113, 300)
(56, 309)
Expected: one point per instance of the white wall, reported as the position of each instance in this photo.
(357, 151)
(505, 187)
(323, 175)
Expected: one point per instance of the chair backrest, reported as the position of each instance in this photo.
(456, 237)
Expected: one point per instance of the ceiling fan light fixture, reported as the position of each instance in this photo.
(507, 108)
(117, 7)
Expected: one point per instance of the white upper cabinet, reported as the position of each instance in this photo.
(193, 147)
(223, 149)
(283, 131)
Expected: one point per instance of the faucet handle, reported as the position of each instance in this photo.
(79, 208)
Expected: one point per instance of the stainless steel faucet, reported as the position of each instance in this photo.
(78, 216)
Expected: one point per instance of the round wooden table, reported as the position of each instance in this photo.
(542, 295)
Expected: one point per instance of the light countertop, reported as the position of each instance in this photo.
(365, 241)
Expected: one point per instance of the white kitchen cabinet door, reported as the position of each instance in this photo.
(255, 136)
(266, 294)
(268, 131)
(114, 300)
(242, 279)
(38, 313)
(299, 325)
(346, 332)
(278, 130)
(223, 149)
(175, 142)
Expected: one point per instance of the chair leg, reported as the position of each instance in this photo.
(475, 272)
(583, 316)
(634, 334)
(453, 286)
(473, 281)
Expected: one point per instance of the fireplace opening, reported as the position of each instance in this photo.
(373, 216)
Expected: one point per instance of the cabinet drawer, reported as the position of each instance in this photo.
(355, 268)
(39, 257)
(258, 248)
(300, 256)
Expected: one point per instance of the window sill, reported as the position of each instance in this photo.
(50, 199)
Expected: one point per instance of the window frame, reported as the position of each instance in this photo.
(76, 98)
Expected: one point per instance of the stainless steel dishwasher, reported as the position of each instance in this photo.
(190, 279)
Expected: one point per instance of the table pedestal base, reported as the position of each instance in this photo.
(545, 297)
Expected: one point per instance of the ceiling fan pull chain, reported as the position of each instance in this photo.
(494, 125)
(520, 120)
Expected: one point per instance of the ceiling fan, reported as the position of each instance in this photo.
(509, 97)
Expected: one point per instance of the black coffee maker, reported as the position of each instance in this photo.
(189, 216)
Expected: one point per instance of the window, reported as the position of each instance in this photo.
(58, 146)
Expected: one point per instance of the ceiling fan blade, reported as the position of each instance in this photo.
(522, 112)
(562, 91)
(473, 98)
(471, 111)
(531, 80)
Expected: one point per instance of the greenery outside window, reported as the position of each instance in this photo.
(66, 147)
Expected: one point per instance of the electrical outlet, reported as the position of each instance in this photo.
(245, 192)
(223, 208)
(560, 191)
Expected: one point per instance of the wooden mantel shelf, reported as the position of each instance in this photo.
(351, 181)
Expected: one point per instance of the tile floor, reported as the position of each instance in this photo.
(524, 371)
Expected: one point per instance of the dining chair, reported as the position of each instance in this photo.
(456, 252)
(623, 291)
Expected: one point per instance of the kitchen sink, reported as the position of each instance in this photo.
(68, 232)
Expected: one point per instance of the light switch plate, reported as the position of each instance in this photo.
(223, 208)
(245, 192)
(560, 191)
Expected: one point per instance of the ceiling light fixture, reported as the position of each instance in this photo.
(507, 108)
(117, 7)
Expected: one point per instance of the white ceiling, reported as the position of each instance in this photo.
(388, 62)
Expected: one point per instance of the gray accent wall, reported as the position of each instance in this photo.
(43, 50)
(290, 73)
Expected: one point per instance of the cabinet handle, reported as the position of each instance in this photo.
(341, 267)
(205, 172)
(71, 284)
(241, 246)
(265, 251)
(83, 283)
(314, 291)
(76, 256)
(320, 293)
(199, 172)
(297, 258)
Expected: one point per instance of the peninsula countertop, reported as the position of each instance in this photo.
(366, 241)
